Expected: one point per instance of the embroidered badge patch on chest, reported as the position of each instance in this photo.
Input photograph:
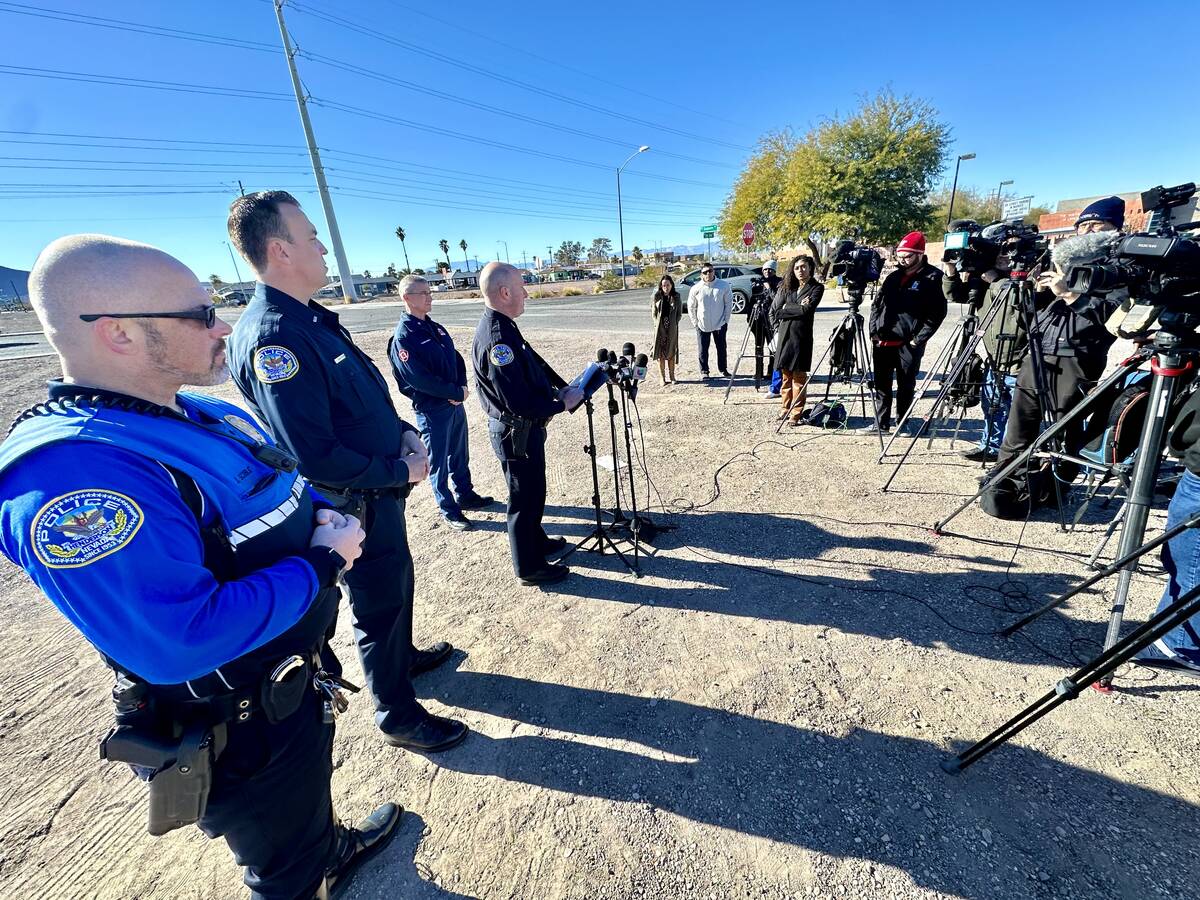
(83, 526)
(403, 354)
(501, 354)
(274, 364)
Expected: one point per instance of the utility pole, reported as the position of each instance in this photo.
(349, 294)
(524, 263)
(233, 259)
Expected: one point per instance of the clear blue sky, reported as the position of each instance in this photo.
(1067, 99)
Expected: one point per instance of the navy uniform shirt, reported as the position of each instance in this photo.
(428, 368)
(95, 518)
(512, 379)
(321, 396)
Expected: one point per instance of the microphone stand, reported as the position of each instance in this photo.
(635, 521)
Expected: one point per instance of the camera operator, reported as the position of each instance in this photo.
(1001, 347)
(758, 321)
(907, 310)
(1074, 344)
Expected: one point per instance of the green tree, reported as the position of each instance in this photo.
(867, 175)
(366, 273)
(216, 282)
(416, 272)
(466, 262)
(400, 234)
(637, 254)
(391, 271)
(445, 247)
(569, 253)
(969, 203)
(600, 249)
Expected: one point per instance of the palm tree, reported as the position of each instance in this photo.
(445, 245)
(400, 234)
(467, 262)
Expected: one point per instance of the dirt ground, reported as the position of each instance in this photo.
(760, 714)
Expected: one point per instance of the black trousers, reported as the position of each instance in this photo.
(526, 479)
(718, 337)
(1068, 379)
(381, 600)
(902, 363)
(270, 801)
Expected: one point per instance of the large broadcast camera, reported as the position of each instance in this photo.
(976, 249)
(1159, 268)
(856, 266)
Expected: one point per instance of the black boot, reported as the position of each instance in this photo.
(355, 846)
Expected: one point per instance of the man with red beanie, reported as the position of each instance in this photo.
(908, 308)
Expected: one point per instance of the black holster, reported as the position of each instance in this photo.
(180, 769)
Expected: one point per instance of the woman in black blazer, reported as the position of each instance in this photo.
(792, 316)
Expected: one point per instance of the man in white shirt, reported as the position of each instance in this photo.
(710, 303)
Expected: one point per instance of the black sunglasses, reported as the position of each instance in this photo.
(706, 271)
(207, 315)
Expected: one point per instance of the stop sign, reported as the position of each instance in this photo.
(748, 233)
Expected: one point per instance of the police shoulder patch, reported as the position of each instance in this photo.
(501, 354)
(273, 364)
(403, 354)
(83, 526)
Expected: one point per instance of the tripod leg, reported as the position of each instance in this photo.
(1097, 669)
(1061, 425)
(1107, 536)
(737, 362)
(943, 354)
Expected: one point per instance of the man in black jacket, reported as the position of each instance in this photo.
(906, 312)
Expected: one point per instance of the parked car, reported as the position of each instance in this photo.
(742, 279)
(234, 297)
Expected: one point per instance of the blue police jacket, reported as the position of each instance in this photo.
(321, 396)
(512, 379)
(90, 512)
(428, 368)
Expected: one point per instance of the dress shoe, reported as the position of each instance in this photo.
(432, 734)
(475, 501)
(354, 846)
(458, 523)
(555, 546)
(429, 658)
(549, 575)
(980, 454)
(725, 374)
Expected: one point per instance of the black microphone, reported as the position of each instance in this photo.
(639, 367)
(602, 356)
(612, 358)
(628, 350)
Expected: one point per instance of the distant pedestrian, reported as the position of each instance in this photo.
(668, 310)
(710, 303)
(792, 316)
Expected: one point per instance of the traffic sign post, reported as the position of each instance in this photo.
(748, 233)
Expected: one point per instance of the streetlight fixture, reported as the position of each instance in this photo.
(620, 219)
(505, 243)
(999, 205)
(954, 189)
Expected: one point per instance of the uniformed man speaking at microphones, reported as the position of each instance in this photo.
(325, 402)
(520, 393)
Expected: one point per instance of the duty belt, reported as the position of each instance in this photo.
(517, 421)
(343, 493)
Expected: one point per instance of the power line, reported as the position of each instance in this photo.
(507, 113)
(367, 31)
(148, 84)
(59, 15)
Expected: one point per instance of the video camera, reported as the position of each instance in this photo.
(968, 249)
(856, 266)
(974, 249)
(1158, 268)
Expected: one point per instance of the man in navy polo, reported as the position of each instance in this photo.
(432, 374)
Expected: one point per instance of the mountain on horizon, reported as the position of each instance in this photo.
(14, 283)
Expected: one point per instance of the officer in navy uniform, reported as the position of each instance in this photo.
(520, 393)
(327, 404)
(431, 372)
(187, 550)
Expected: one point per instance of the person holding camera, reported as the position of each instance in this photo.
(1073, 343)
(908, 308)
(760, 325)
(1002, 344)
(668, 310)
(791, 316)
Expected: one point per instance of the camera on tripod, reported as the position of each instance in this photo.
(1159, 267)
(974, 248)
(856, 266)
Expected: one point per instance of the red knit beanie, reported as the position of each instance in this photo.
(914, 241)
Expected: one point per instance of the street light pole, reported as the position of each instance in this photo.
(999, 205)
(620, 218)
(505, 243)
(233, 259)
(954, 189)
